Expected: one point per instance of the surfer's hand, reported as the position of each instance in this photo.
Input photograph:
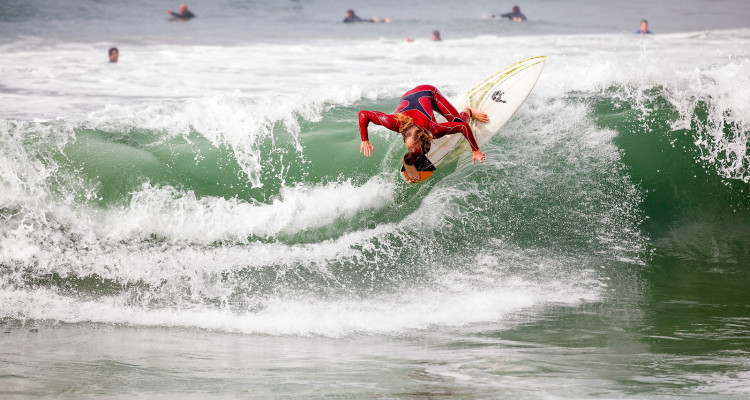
(477, 155)
(366, 148)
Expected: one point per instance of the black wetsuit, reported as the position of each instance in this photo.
(186, 15)
(514, 15)
(354, 18)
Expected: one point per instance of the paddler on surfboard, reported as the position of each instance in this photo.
(415, 120)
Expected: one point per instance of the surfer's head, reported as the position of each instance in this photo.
(416, 140)
(644, 26)
(113, 54)
(412, 138)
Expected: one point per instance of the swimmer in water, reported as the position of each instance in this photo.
(644, 28)
(515, 15)
(114, 54)
(414, 118)
(183, 15)
(435, 37)
(352, 17)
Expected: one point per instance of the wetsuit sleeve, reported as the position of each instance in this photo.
(449, 128)
(354, 18)
(512, 15)
(376, 117)
(187, 15)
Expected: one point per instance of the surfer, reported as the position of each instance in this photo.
(114, 54)
(183, 15)
(435, 37)
(352, 17)
(514, 15)
(643, 29)
(414, 118)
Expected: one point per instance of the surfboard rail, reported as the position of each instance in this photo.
(500, 96)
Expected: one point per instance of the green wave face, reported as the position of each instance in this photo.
(575, 192)
(689, 199)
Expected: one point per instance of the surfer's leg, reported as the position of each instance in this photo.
(420, 99)
(445, 108)
(420, 88)
(451, 114)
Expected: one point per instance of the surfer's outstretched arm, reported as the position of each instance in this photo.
(376, 117)
(450, 128)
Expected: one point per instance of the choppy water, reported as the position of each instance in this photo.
(197, 220)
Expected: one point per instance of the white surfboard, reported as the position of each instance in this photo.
(500, 96)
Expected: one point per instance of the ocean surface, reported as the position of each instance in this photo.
(196, 220)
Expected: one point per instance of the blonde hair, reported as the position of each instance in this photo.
(403, 121)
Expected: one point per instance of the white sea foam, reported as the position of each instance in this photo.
(456, 300)
(235, 96)
(165, 212)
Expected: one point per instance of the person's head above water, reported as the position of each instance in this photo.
(516, 9)
(436, 36)
(113, 54)
(183, 8)
(644, 26)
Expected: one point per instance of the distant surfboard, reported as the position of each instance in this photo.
(500, 96)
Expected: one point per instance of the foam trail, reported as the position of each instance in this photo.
(179, 216)
(491, 296)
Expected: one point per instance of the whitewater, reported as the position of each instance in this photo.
(197, 218)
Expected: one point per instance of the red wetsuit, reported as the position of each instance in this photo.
(419, 104)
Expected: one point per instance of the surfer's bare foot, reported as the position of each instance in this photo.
(476, 114)
(412, 173)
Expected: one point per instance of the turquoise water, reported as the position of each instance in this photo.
(196, 220)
